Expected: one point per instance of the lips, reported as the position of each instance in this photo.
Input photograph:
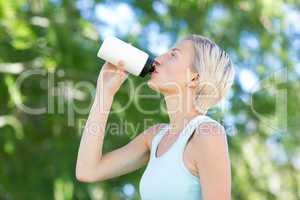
(154, 69)
(154, 72)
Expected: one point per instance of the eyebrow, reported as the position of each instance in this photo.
(176, 49)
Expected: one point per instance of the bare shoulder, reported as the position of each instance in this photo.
(211, 128)
(150, 133)
(209, 136)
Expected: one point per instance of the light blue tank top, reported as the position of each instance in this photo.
(166, 177)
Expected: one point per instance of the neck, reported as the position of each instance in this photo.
(180, 110)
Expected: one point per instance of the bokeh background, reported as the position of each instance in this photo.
(57, 40)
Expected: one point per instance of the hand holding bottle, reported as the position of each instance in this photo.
(111, 78)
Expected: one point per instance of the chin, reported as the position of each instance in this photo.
(151, 84)
(160, 88)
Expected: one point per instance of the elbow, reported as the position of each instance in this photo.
(87, 173)
(84, 177)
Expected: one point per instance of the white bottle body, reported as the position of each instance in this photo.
(113, 50)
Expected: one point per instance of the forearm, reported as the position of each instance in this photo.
(90, 149)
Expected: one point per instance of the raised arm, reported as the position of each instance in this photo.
(91, 165)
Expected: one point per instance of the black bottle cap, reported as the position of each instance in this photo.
(148, 68)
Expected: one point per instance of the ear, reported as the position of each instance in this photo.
(194, 81)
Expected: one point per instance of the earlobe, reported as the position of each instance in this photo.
(194, 82)
(196, 76)
(192, 79)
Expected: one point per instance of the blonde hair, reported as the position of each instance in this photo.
(215, 70)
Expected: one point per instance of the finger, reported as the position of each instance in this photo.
(125, 75)
(123, 72)
(121, 64)
(108, 64)
(121, 76)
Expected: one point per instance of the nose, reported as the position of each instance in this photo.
(158, 60)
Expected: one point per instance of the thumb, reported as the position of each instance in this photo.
(121, 64)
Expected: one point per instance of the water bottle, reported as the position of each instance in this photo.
(136, 61)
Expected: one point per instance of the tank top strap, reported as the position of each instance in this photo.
(156, 139)
(189, 130)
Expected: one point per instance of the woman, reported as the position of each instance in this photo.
(187, 158)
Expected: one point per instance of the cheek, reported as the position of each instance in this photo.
(175, 73)
(167, 79)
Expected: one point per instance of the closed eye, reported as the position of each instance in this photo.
(173, 50)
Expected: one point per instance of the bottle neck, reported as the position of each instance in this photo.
(148, 67)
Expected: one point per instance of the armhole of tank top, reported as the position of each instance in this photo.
(156, 138)
(183, 147)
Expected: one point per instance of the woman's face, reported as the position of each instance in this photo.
(172, 68)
